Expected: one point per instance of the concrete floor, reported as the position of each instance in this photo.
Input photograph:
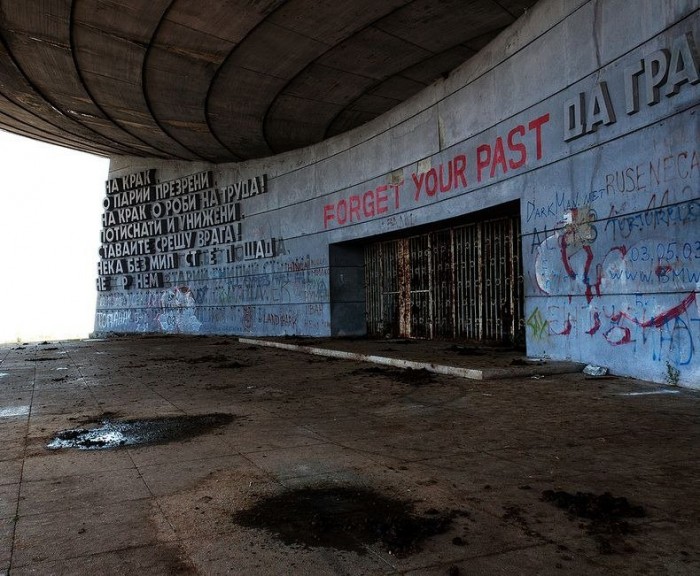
(487, 448)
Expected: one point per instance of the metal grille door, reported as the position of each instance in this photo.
(461, 282)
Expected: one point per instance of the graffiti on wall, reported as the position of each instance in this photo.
(630, 252)
(178, 311)
(618, 261)
(285, 294)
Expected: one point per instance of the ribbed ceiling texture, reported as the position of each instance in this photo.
(224, 80)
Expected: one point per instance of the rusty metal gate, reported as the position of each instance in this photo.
(460, 282)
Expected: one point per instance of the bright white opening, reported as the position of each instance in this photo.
(50, 207)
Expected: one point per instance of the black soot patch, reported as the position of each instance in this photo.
(606, 514)
(344, 518)
(120, 433)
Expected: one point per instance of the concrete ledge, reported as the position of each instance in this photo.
(396, 362)
(546, 368)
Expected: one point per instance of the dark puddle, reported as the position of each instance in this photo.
(607, 516)
(119, 433)
(409, 376)
(344, 518)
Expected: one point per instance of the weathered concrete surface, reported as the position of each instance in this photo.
(227, 80)
(487, 448)
(584, 132)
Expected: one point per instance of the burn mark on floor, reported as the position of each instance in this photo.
(112, 433)
(344, 518)
(606, 514)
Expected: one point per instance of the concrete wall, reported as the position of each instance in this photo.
(584, 111)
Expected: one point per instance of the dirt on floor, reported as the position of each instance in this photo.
(209, 456)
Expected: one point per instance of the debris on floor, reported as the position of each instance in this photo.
(591, 370)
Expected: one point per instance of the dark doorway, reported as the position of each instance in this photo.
(464, 281)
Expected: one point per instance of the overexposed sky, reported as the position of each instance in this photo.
(50, 210)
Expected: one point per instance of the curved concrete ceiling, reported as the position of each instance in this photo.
(224, 80)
